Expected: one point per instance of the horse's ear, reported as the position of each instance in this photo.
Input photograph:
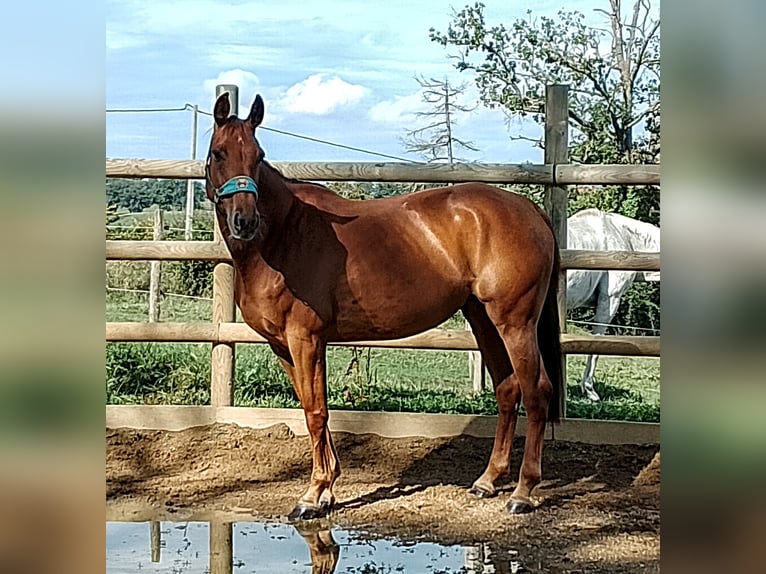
(256, 112)
(222, 109)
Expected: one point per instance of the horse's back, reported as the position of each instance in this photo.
(455, 216)
(480, 204)
(501, 240)
(592, 230)
(481, 221)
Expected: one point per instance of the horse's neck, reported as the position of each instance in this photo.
(278, 200)
(288, 220)
(296, 226)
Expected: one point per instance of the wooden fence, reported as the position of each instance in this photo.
(224, 333)
(542, 174)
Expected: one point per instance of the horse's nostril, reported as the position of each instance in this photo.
(243, 226)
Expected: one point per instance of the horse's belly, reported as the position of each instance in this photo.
(581, 285)
(395, 313)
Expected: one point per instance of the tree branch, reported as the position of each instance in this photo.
(654, 108)
(642, 50)
(511, 72)
(577, 119)
(537, 141)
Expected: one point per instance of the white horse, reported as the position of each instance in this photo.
(596, 230)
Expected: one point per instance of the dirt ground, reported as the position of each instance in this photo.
(598, 505)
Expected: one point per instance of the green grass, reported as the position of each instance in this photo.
(358, 378)
(640, 375)
(130, 306)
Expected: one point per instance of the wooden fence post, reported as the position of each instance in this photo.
(476, 369)
(155, 540)
(155, 273)
(222, 358)
(555, 198)
(189, 215)
(221, 551)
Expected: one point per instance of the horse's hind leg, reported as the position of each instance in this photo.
(507, 393)
(518, 328)
(602, 318)
(587, 384)
(612, 286)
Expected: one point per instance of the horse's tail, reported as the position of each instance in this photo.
(549, 340)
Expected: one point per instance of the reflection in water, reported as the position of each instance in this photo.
(481, 559)
(323, 549)
(219, 547)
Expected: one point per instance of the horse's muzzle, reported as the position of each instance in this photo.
(242, 227)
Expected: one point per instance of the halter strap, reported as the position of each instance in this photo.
(238, 184)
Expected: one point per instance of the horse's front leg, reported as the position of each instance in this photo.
(309, 377)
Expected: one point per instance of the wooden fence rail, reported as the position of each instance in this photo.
(217, 251)
(434, 339)
(550, 174)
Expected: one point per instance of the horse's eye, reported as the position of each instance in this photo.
(218, 155)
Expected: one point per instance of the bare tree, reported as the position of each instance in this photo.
(436, 141)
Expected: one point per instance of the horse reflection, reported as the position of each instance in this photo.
(323, 549)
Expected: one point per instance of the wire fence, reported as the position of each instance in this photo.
(196, 110)
(163, 293)
(595, 324)
(149, 227)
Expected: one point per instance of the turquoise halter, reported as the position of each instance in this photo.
(238, 184)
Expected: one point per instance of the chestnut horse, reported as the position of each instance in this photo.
(314, 268)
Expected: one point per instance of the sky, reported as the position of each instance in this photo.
(336, 70)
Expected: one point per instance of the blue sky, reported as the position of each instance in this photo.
(338, 70)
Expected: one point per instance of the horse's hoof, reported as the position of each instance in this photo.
(479, 492)
(306, 512)
(519, 507)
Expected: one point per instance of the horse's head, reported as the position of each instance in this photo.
(232, 167)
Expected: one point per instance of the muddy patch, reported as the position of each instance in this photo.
(598, 505)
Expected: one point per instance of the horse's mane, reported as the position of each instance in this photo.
(294, 181)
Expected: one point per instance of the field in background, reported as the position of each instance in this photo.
(359, 379)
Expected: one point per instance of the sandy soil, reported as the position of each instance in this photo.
(598, 505)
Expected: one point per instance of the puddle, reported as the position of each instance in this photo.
(197, 547)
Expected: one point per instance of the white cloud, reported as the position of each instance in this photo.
(400, 110)
(319, 95)
(248, 84)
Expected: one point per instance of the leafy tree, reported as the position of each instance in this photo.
(611, 91)
(367, 190)
(138, 194)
